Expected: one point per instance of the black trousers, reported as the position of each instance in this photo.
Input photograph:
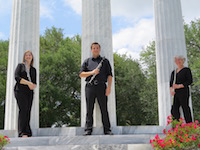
(92, 92)
(182, 99)
(24, 101)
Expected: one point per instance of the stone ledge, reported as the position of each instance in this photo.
(74, 131)
(87, 147)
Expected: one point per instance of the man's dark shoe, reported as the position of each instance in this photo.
(108, 133)
(87, 132)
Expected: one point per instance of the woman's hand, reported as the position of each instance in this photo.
(172, 91)
(31, 86)
(175, 86)
(178, 86)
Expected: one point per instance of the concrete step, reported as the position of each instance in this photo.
(94, 142)
(87, 147)
(75, 131)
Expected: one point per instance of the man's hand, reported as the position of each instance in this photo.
(95, 71)
(108, 90)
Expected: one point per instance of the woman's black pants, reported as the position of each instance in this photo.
(182, 99)
(24, 101)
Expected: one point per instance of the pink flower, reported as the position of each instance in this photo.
(157, 137)
(195, 126)
(150, 141)
(199, 145)
(164, 131)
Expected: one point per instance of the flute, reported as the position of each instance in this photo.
(98, 67)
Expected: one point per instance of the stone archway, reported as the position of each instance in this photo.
(96, 26)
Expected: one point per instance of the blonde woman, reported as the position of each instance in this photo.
(25, 76)
(180, 89)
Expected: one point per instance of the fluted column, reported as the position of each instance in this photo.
(170, 41)
(24, 35)
(96, 27)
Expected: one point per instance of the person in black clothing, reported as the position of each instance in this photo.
(25, 76)
(180, 90)
(97, 88)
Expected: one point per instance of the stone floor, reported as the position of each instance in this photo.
(124, 138)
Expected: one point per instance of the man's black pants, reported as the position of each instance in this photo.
(92, 92)
(24, 101)
(182, 99)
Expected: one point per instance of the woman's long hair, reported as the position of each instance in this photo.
(28, 51)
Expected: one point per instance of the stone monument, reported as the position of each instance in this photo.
(96, 27)
(24, 35)
(170, 41)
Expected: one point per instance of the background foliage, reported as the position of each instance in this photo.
(136, 87)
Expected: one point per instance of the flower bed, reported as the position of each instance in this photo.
(181, 136)
(4, 140)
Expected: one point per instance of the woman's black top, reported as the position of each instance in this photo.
(184, 76)
(20, 73)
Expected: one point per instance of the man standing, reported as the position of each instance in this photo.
(96, 87)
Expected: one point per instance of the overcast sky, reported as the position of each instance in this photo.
(132, 20)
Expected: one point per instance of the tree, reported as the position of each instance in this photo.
(129, 80)
(149, 92)
(192, 35)
(59, 81)
(3, 72)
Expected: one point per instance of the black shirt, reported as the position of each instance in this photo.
(20, 73)
(92, 63)
(184, 76)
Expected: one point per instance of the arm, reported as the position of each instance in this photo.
(21, 80)
(89, 73)
(171, 79)
(171, 84)
(84, 73)
(108, 90)
(109, 74)
(188, 81)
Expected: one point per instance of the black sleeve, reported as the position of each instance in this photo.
(17, 73)
(34, 78)
(171, 79)
(189, 80)
(109, 69)
(84, 66)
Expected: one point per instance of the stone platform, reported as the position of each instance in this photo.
(70, 138)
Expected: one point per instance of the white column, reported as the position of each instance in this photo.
(24, 35)
(170, 41)
(96, 27)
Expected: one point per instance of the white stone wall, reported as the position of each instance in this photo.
(96, 27)
(24, 35)
(170, 41)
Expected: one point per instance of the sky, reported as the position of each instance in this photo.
(132, 20)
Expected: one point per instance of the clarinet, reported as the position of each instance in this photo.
(98, 67)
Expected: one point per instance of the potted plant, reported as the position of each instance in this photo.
(4, 140)
(179, 136)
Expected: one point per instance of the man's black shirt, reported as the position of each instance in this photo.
(92, 63)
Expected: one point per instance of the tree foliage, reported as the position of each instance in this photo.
(59, 81)
(149, 92)
(129, 81)
(192, 35)
(136, 86)
(3, 72)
